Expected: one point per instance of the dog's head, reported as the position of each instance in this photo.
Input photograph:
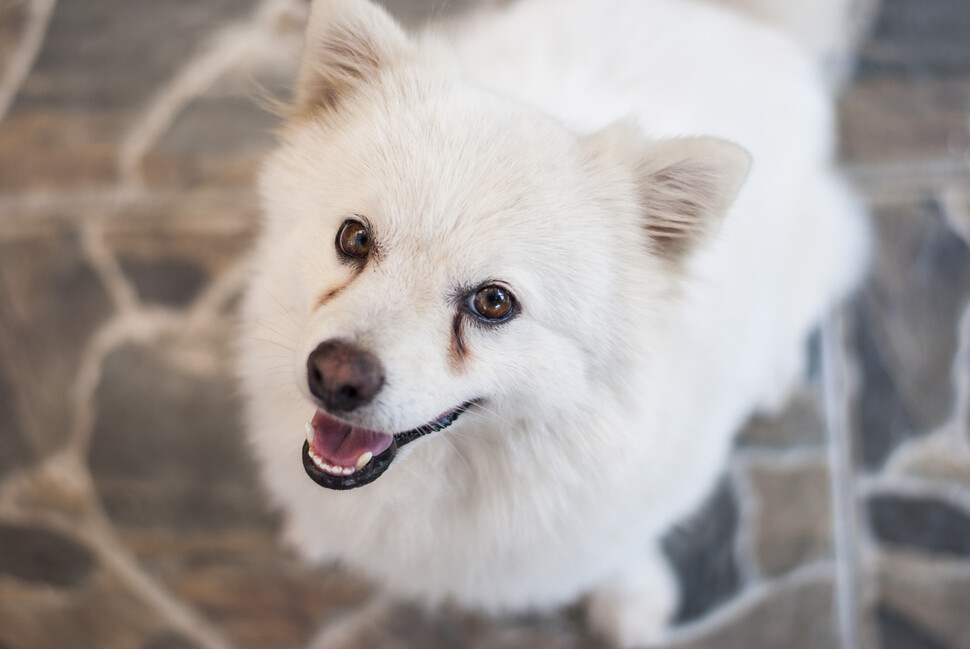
(431, 248)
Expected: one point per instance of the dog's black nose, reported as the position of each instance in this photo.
(343, 376)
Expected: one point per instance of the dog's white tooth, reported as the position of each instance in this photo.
(309, 434)
(348, 470)
(364, 458)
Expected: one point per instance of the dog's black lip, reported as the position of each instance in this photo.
(379, 463)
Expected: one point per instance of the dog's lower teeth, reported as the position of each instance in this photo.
(333, 470)
(364, 458)
(309, 433)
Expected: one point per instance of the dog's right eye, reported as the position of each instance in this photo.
(354, 239)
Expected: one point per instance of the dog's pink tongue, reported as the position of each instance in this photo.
(343, 444)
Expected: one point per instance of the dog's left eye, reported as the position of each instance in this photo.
(354, 239)
(493, 303)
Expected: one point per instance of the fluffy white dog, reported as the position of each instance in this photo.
(520, 281)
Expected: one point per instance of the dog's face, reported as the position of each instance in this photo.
(430, 248)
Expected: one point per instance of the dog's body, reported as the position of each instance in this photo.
(641, 329)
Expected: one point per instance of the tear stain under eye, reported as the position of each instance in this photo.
(329, 295)
(458, 352)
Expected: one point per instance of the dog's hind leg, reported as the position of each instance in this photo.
(634, 608)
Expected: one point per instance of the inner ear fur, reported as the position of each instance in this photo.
(348, 44)
(684, 185)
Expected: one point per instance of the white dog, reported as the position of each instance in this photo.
(514, 293)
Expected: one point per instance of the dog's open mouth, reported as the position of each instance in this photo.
(337, 455)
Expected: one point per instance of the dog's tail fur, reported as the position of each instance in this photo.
(830, 30)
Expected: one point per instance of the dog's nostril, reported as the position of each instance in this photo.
(343, 376)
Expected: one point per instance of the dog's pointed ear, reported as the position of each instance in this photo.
(348, 44)
(683, 185)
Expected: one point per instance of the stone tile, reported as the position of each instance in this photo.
(793, 523)
(218, 140)
(795, 616)
(15, 450)
(702, 552)
(927, 599)
(410, 626)
(888, 120)
(52, 301)
(13, 18)
(39, 555)
(415, 12)
(171, 265)
(272, 604)
(800, 425)
(920, 524)
(170, 640)
(905, 328)
(135, 49)
(898, 632)
(168, 450)
(101, 613)
(927, 38)
(64, 127)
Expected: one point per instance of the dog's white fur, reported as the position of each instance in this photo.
(558, 152)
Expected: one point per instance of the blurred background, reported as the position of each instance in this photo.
(130, 132)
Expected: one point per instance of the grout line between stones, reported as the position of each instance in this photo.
(748, 600)
(844, 515)
(916, 487)
(749, 506)
(23, 58)
(226, 49)
(96, 252)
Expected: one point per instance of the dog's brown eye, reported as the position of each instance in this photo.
(493, 303)
(354, 239)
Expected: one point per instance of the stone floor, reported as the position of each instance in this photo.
(129, 132)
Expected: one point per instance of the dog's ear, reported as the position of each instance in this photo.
(348, 44)
(684, 185)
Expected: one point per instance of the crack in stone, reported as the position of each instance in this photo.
(229, 47)
(23, 58)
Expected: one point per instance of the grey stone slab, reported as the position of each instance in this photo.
(40, 555)
(886, 120)
(920, 524)
(100, 64)
(51, 301)
(13, 19)
(416, 12)
(898, 632)
(15, 451)
(926, 38)
(218, 140)
(168, 450)
(793, 523)
(100, 613)
(170, 640)
(795, 616)
(800, 425)
(702, 552)
(926, 595)
(173, 282)
(103, 55)
(170, 260)
(905, 328)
